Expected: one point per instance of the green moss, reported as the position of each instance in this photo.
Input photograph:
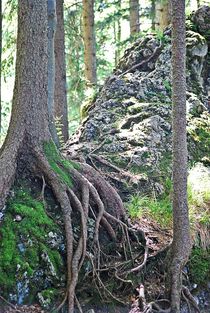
(47, 297)
(199, 266)
(24, 234)
(58, 164)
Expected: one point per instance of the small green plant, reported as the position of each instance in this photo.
(59, 126)
(167, 85)
(199, 266)
(159, 209)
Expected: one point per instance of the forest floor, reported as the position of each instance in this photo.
(158, 240)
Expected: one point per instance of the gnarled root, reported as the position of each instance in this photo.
(88, 186)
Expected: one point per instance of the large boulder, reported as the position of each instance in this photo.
(129, 123)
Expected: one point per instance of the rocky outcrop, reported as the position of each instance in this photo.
(129, 124)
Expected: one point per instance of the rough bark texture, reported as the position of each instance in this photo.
(163, 14)
(134, 17)
(89, 42)
(181, 231)
(30, 92)
(51, 7)
(60, 99)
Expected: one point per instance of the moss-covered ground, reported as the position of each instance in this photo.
(24, 242)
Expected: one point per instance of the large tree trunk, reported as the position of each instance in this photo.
(29, 145)
(29, 122)
(60, 99)
(180, 248)
(89, 42)
(134, 17)
(163, 14)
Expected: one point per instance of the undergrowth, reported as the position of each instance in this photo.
(199, 266)
(160, 208)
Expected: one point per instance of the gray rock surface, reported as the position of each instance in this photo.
(129, 124)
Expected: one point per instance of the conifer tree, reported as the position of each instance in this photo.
(181, 244)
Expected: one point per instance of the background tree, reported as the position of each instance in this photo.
(134, 17)
(181, 245)
(153, 14)
(117, 31)
(163, 14)
(60, 98)
(89, 42)
(51, 7)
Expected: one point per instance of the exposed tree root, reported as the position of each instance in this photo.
(10, 304)
(88, 187)
(91, 196)
(188, 297)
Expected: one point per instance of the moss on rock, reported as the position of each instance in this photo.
(26, 255)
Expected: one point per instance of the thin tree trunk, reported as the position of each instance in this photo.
(153, 14)
(181, 230)
(60, 99)
(89, 42)
(163, 14)
(198, 3)
(0, 59)
(51, 6)
(134, 17)
(117, 33)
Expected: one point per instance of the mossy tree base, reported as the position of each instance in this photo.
(75, 187)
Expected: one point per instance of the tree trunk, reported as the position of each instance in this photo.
(163, 14)
(89, 42)
(180, 248)
(51, 7)
(29, 121)
(0, 59)
(117, 33)
(134, 17)
(153, 14)
(60, 99)
(29, 147)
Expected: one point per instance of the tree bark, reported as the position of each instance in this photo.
(51, 7)
(134, 17)
(89, 42)
(181, 244)
(117, 33)
(153, 14)
(29, 120)
(0, 59)
(163, 14)
(60, 98)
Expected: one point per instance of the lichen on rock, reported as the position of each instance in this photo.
(130, 121)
